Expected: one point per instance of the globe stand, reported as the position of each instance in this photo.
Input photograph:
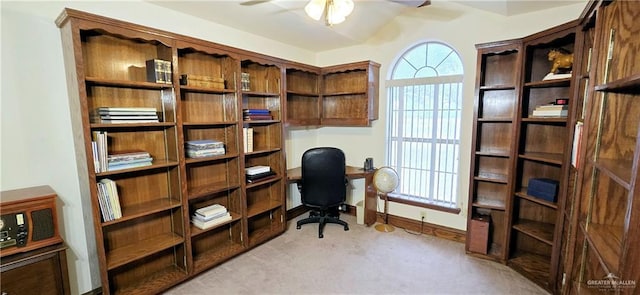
(385, 180)
(386, 227)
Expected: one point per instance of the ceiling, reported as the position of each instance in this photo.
(285, 20)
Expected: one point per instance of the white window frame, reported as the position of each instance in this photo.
(420, 187)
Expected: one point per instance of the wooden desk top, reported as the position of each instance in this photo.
(295, 174)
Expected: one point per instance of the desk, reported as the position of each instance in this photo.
(370, 195)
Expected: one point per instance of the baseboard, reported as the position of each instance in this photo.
(444, 232)
(439, 231)
(296, 211)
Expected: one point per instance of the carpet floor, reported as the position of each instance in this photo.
(359, 261)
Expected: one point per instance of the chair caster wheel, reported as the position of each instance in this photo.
(321, 236)
(298, 227)
(346, 228)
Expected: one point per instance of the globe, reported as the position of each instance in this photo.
(385, 179)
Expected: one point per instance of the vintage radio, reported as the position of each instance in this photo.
(28, 220)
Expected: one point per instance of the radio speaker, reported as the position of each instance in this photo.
(45, 229)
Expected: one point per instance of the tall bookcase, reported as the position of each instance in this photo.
(265, 199)
(544, 151)
(146, 247)
(511, 147)
(497, 85)
(608, 209)
(210, 113)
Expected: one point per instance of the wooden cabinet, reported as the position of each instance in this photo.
(543, 152)
(341, 95)
(513, 148)
(304, 103)
(36, 272)
(497, 85)
(586, 241)
(607, 236)
(198, 91)
(145, 248)
(350, 94)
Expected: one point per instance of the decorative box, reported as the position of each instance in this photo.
(479, 234)
(543, 188)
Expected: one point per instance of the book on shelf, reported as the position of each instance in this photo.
(205, 153)
(254, 170)
(256, 111)
(159, 71)
(128, 159)
(247, 139)
(260, 177)
(109, 200)
(210, 216)
(552, 76)
(207, 224)
(130, 165)
(551, 110)
(116, 115)
(256, 114)
(100, 151)
(577, 145)
(128, 155)
(204, 144)
(211, 210)
(257, 117)
(245, 80)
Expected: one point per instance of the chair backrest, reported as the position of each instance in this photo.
(323, 177)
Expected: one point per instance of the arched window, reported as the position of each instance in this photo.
(423, 126)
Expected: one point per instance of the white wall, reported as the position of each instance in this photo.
(37, 142)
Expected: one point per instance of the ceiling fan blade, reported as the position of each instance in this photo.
(414, 3)
(253, 2)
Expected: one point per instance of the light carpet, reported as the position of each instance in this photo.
(359, 261)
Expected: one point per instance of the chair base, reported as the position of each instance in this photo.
(322, 218)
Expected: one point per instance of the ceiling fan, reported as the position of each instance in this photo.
(336, 11)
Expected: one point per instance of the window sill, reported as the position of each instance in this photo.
(420, 203)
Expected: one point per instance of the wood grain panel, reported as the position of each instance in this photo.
(208, 107)
(497, 103)
(499, 68)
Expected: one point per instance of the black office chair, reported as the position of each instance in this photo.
(323, 186)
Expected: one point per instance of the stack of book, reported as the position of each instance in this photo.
(204, 148)
(258, 173)
(256, 114)
(209, 216)
(551, 110)
(128, 159)
(109, 200)
(116, 115)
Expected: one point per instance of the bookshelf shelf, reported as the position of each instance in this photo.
(206, 90)
(144, 209)
(132, 252)
(523, 194)
(629, 85)
(618, 170)
(537, 230)
(211, 188)
(197, 231)
(606, 241)
(95, 81)
(209, 159)
(497, 87)
(156, 164)
(550, 158)
(218, 253)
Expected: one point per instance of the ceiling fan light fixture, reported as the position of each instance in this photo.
(334, 11)
(315, 8)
